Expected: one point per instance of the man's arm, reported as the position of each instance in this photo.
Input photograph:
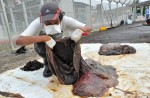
(29, 35)
(79, 28)
(27, 40)
(86, 29)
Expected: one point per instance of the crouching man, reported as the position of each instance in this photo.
(51, 25)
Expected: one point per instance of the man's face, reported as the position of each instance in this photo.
(52, 22)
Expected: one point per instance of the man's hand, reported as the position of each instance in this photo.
(76, 35)
(51, 43)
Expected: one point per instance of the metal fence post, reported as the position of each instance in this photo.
(41, 2)
(117, 14)
(13, 21)
(25, 14)
(102, 13)
(73, 9)
(3, 23)
(141, 10)
(90, 14)
(7, 25)
(134, 10)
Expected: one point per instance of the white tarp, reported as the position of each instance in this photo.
(133, 70)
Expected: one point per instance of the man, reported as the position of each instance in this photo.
(146, 13)
(51, 25)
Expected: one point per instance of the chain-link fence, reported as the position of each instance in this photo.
(16, 15)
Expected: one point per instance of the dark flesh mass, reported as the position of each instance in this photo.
(89, 77)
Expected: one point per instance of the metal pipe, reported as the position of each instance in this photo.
(13, 21)
(7, 25)
(3, 23)
(117, 12)
(111, 24)
(134, 10)
(25, 14)
(117, 2)
(73, 9)
(102, 13)
(90, 14)
(41, 2)
(141, 10)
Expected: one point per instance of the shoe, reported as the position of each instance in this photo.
(21, 50)
(47, 72)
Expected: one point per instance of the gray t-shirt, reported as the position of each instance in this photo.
(68, 25)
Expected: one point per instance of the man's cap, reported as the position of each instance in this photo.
(49, 11)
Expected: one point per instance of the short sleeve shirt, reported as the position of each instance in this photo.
(68, 25)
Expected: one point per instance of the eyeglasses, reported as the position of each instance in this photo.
(52, 22)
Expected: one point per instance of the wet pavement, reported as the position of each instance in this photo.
(135, 33)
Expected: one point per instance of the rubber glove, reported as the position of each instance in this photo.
(51, 43)
(76, 35)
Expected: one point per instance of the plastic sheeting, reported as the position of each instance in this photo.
(133, 70)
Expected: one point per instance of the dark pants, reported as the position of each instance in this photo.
(41, 50)
(147, 16)
(40, 47)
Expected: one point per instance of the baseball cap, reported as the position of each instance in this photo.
(49, 11)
